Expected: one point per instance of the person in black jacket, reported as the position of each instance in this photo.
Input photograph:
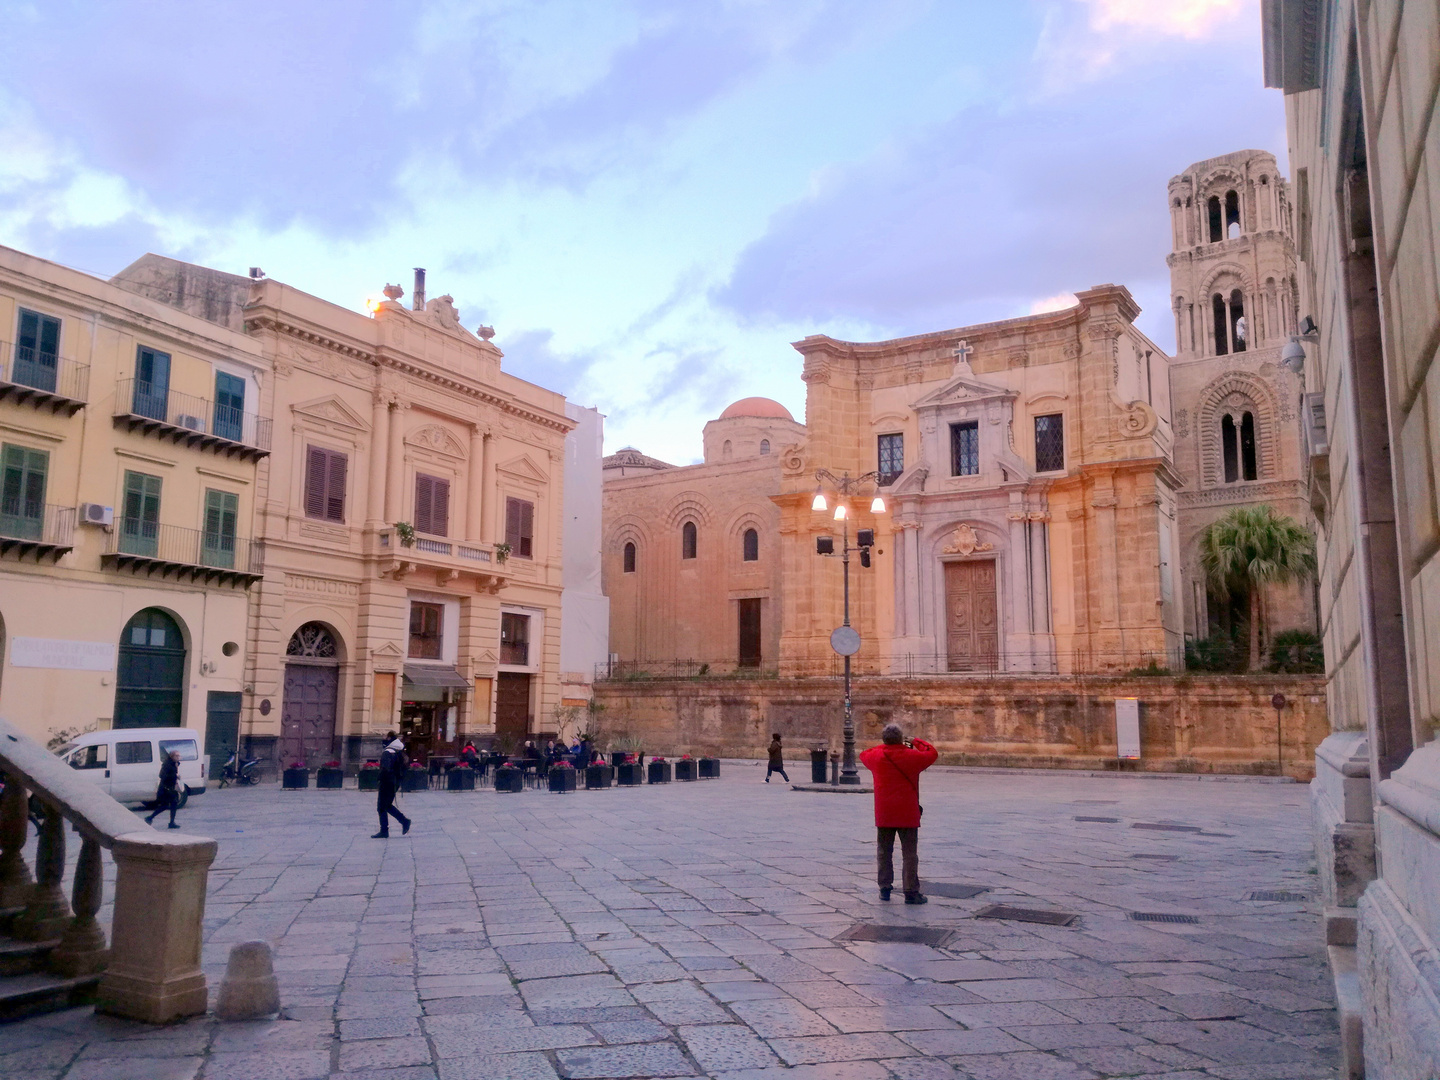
(393, 764)
(167, 795)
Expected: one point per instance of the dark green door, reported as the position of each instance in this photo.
(150, 677)
(221, 510)
(152, 383)
(140, 522)
(22, 493)
(222, 728)
(229, 406)
(37, 352)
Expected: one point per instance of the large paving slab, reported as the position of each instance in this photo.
(695, 930)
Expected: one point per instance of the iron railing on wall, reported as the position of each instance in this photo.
(48, 373)
(152, 402)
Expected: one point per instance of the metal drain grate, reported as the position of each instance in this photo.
(1157, 858)
(905, 935)
(1030, 915)
(950, 891)
(1283, 897)
(1162, 916)
(1167, 828)
(1107, 820)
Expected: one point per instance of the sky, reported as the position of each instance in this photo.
(648, 199)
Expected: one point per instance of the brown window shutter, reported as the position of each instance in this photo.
(335, 487)
(512, 524)
(423, 503)
(527, 529)
(440, 507)
(315, 463)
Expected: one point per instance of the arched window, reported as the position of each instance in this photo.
(1237, 442)
(1248, 469)
(1232, 214)
(1231, 449)
(1239, 331)
(725, 450)
(1217, 224)
(629, 557)
(313, 641)
(687, 540)
(751, 545)
(150, 675)
(764, 447)
(1222, 325)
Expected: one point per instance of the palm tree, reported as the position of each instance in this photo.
(1251, 547)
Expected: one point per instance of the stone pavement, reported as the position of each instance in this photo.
(692, 930)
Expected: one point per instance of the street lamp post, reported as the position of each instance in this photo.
(845, 640)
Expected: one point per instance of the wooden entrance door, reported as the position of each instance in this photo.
(512, 709)
(749, 633)
(972, 626)
(307, 719)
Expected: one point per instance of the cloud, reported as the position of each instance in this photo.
(1196, 20)
(1058, 302)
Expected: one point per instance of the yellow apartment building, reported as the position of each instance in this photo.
(129, 444)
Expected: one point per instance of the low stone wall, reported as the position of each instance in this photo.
(1188, 723)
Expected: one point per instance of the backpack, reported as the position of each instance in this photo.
(393, 764)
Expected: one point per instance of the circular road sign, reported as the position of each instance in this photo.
(845, 640)
(1278, 701)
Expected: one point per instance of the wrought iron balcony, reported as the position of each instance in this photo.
(42, 530)
(143, 547)
(30, 376)
(194, 421)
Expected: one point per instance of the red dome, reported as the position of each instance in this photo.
(757, 406)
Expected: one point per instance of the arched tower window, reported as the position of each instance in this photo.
(1232, 214)
(1237, 442)
(1239, 331)
(687, 540)
(1247, 447)
(725, 450)
(629, 557)
(764, 447)
(1217, 224)
(1222, 325)
(751, 545)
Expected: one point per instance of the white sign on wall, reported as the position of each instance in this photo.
(40, 652)
(1127, 728)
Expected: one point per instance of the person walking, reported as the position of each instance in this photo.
(896, 765)
(393, 764)
(167, 795)
(777, 759)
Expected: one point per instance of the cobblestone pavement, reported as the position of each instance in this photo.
(692, 930)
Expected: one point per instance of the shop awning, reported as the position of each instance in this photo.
(423, 677)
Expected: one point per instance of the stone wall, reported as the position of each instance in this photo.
(1209, 723)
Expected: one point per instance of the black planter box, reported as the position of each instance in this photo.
(295, 778)
(416, 780)
(630, 774)
(660, 772)
(685, 769)
(709, 768)
(562, 779)
(599, 776)
(330, 778)
(617, 758)
(817, 767)
(369, 778)
(508, 778)
(462, 778)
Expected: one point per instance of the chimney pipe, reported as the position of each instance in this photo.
(417, 294)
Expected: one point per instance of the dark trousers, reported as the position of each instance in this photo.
(776, 768)
(885, 857)
(170, 801)
(385, 804)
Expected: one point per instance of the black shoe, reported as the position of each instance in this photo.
(916, 898)
(885, 894)
(172, 825)
(405, 827)
(380, 836)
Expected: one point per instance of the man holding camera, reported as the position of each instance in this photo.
(896, 765)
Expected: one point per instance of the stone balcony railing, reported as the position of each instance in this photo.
(448, 559)
(150, 970)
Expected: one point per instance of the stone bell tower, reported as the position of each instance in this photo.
(1234, 296)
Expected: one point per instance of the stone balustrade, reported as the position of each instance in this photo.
(151, 967)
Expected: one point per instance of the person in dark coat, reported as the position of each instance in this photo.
(777, 759)
(167, 795)
(896, 765)
(393, 764)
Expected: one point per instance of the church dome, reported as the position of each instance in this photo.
(757, 406)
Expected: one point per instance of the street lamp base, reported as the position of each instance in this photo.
(850, 778)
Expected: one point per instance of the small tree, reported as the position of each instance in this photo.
(1252, 547)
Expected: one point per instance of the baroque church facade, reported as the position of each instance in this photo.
(1045, 479)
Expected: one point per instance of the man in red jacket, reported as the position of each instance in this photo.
(897, 764)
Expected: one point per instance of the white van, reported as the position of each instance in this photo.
(125, 762)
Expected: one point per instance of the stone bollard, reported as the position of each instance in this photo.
(249, 989)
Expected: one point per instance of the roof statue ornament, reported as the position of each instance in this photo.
(393, 292)
(485, 332)
(962, 352)
(442, 310)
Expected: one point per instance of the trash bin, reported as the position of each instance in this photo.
(817, 766)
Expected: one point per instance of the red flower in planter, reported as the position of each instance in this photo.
(562, 765)
(331, 765)
(657, 759)
(299, 765)
(371, 763)
(684, 757)
(416, 765)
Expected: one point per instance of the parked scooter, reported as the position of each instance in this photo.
(239, 772)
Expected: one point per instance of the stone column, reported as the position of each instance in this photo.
(395, 465)
(1017, 583)
(910, 595)
(475, 484)
(82, 951)
(154, 974)
(1105, 555)
(1040, 572)
(379, 436)
(15, 880)
(489, 533)
(46, 913)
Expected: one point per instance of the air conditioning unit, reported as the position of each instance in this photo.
(95, 514)
(1316, 440)
(194, 423)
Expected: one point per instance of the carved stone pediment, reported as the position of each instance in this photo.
(436, 438)
(524, 468)
(331, 410)
(963, 541)
(963, 389)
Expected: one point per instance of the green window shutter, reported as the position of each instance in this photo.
(222, 509)
(22, 492)
(140, 526)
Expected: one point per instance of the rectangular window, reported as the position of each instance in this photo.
(222, 511)
(432, 505)
(891, 452)
(520, 527)
(90, 757)
(140, 516)
(325, 484)
(37, 352)
(426, 621)
(134, 753)
(965, 448)
(229, 420)
(187, 748)
(514, 639)
(1050, 443)
(22, 492)
(152, 384)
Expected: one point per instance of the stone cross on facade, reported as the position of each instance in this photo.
(962, 352)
